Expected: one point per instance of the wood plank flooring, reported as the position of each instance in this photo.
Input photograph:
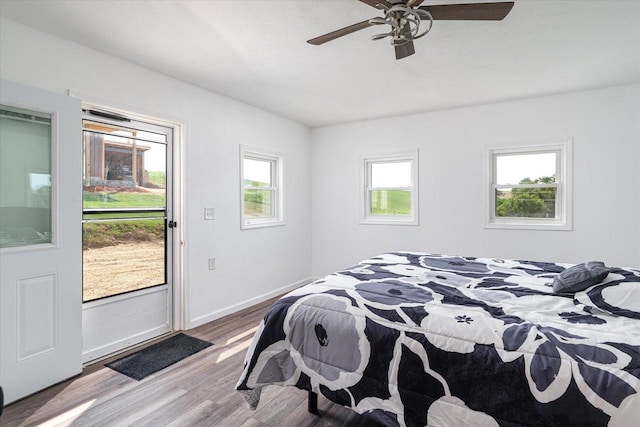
(198, 391)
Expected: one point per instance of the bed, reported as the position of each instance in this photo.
(415, 339)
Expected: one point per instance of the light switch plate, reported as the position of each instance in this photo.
(209, 213)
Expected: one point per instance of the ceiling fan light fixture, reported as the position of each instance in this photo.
(405, 24)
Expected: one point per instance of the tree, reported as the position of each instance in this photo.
(532, 202)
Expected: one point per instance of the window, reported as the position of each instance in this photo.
(26, 190)
(127, 190)
(261, 188)
(391, 190)
(529, 187)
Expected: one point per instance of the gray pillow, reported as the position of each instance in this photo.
(580, 277)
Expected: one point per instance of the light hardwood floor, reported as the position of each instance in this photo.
(198, 391)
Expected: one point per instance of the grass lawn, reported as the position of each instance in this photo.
(390, 202)
(106, 200)
(157, 178)
(257, 203)
(101, 234)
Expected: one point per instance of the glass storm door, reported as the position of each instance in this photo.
(40, 253)
(126, 232)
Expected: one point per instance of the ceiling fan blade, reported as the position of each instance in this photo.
(470, 12)
(339, 33)
(414, 3)
(378, 4)
(405, 50)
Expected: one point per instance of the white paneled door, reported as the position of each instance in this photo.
(40, 239)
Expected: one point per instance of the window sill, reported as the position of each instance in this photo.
(388, 221)
(529, 225)
(261, 224)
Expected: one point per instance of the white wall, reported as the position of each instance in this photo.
(604, 124)
(254, 263)
(250, 264)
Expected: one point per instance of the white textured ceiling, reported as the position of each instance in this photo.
(256, 51)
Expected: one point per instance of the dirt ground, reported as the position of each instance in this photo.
(115, 269)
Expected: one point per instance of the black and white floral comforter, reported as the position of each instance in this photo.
(412, 339)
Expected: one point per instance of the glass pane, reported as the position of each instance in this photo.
(121, 256)
(113, 180)
(258, 173)
(525, 168)
(258, 203)
(25, 177)
(391, 174)
(526, 202)
(390, 202)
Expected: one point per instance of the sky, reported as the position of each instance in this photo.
(257, 170)
(394, 174)
(514, 168)
(155, 159)
(511, 169)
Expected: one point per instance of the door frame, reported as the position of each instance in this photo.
(179, 295)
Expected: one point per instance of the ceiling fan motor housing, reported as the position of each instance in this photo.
(405, 24)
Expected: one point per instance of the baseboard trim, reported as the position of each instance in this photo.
(201, 320)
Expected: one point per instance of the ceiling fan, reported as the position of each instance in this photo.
(405, 16)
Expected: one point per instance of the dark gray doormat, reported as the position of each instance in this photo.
(158, 356)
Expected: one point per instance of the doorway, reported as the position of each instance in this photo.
(127, 232)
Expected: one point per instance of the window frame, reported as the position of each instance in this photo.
(366, 179)
(564, 172)
(277, 174)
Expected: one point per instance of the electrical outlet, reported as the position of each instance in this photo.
(209, 213)
(212, 263)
